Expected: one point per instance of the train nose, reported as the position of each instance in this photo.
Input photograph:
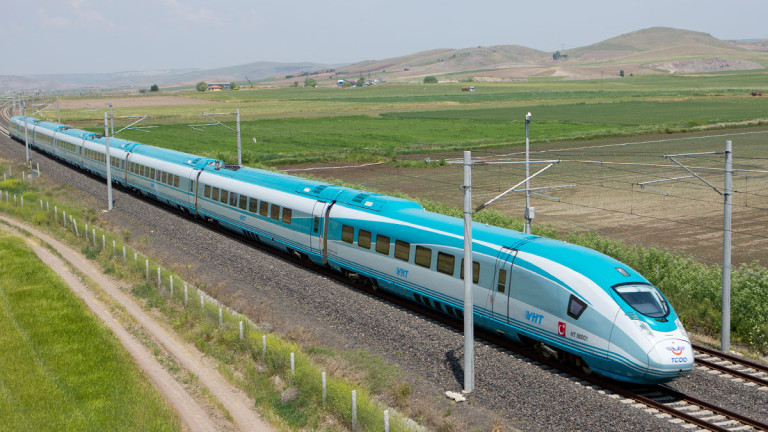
(671, 358)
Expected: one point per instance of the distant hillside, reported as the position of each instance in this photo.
(650, 51)
(144, 79)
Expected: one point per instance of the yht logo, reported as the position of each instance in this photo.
(561, 328)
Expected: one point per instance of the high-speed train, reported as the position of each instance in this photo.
(567, 299)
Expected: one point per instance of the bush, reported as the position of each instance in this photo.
(201, 86)
(430, 79)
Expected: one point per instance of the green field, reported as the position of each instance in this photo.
(62, 370)
(295, 125)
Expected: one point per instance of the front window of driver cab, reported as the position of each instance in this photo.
(645, 299)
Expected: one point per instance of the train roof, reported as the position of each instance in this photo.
(173, 156)
(315, 189)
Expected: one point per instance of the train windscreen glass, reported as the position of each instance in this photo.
(645, 299)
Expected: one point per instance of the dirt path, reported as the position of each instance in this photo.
(194, 417)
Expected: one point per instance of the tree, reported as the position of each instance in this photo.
(430, 79)
(556, 55)
(621, 73)
(310, 82)
(154, 88)
(233, 86)
(201, 86)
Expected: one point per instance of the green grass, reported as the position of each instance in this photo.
(62, 369)
(298, 125)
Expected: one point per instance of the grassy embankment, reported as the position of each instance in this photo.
(241, 360)
(62, 369)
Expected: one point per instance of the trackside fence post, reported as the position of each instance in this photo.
(325, 390)
(293, 366)
(354, 409)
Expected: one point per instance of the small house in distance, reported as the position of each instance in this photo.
(218, 86)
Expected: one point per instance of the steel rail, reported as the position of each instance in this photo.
(737, 361)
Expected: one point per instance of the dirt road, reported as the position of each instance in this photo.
(193, 416)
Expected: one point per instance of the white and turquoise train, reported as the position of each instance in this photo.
(570, 299)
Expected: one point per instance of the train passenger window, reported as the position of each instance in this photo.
(224, 196)
(382, 244)
(152, 173)
(191, 185)
(423, 256)
(176, 181)
(475, 270)
(501, 285)
(445, 263)
(576, 307)
(347, 234)
(402, 250)
(207, 191)
(253, 205)
(275, 212)
(316, 224)
(243, 202)
(263, 208)
(164, 177)
(233, 199)
(215, 194)
(364, 239)
(287, 214)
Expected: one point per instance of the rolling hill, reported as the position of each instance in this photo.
(649, 51)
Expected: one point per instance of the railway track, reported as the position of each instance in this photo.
(752, 373)
(661, 401)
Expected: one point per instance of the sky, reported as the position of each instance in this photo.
(104, 36)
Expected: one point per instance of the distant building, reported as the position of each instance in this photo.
(218, 86)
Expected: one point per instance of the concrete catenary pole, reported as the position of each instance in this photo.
(725, 334)
(109, 163)
(58, 110)
(26, 133)
(527, 229)
(111, 119)
(469, 330)
(239, 153)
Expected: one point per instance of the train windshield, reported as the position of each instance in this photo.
(645, 299)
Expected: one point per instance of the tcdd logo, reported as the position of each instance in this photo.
(561, 328)
(677, 351)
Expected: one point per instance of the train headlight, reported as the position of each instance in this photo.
(681, 328)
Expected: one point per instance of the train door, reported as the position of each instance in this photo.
(318, 240)
(500, 300)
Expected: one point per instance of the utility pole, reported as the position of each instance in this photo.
(725, 334)
(469, 329)
(109, 163)
(58, 110)
(26, 133)
(528, 209)
(111, 119)
(239, 152)
(727, 193)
